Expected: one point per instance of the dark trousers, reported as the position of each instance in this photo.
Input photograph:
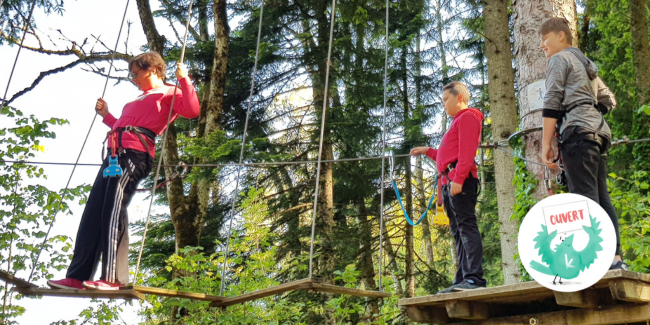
(460, 209)
(585, 165)
(103, 231)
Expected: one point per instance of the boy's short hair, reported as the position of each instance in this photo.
(150, 61)
(557, 25)
(456, 88)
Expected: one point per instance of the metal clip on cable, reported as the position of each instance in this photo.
(547, 180)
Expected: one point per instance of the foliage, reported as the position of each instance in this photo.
(28, 208)
(631, 200)
(526, 183)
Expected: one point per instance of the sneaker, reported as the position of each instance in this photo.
(102, 285)
(466, 285)
(67, 283)
(618, 265)
(447, 290)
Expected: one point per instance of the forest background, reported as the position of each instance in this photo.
(491, 46)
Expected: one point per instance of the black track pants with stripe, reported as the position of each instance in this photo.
(103, 231)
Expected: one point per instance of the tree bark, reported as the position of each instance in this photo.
(531, 67)
(641, 49)
(503, 108)
(408, 188)
(155, 41)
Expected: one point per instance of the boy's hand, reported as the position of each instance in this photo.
(101, 107)
(419, 151)
(456, 188)
(181, 71)
(548, 155)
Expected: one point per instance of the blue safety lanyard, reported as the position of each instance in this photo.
(391, 159)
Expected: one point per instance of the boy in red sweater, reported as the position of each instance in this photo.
(455, 163)
(103, 229)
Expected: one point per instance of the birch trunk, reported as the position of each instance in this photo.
(529, 15)
(503, 107)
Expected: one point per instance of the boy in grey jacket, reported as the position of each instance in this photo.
(576, 98)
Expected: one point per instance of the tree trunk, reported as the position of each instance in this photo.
(154, 39)
(444, 68)
(531, 69)
(408, 189)
(366, 265)
(503, 108)
(641, 49)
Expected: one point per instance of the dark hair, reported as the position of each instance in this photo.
(150, 61)
(456, 88)
(557, 25)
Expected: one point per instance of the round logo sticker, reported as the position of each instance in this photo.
(567, 242)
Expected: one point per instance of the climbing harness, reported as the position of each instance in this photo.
(391, 159)
(114, 169)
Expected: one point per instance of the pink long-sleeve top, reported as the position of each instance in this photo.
(151, 110)
(459, 145)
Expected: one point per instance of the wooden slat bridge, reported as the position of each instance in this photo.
(620, 297)
(310, 284)
(138, 292)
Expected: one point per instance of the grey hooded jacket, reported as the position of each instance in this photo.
(570, 78)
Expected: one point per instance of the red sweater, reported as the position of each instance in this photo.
(151, 110)
(459, 144)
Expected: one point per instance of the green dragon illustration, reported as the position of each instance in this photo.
(565, 262)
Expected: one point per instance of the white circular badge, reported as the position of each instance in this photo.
(567, 242)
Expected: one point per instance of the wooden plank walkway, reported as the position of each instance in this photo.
(172, 293)
(74, 293)
(312, 284)
(619, 297)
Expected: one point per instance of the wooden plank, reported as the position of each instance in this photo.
(173, 293)
(617, 314)
(429, 315)
(580, 299)
(6, 277)
(329, 288)
(259, 294)
(467, 309)
(628, 290)
(75, 293)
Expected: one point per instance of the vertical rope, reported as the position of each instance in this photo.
(20, 47)
(320, 144)
(162, 149)
(383, 160)
(67, 185)
(241, 152)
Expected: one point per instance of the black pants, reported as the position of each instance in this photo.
(103, 231)
(460, 209)
(585, 165)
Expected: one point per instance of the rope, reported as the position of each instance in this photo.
(162, 149)
(20, 47)
(65, 191)
(383, 154)
(322, 135)
(241, 152)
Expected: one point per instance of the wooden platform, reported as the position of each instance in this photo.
(620, 297)
(312, 284)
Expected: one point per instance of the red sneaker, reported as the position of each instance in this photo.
(102, 285)
(67, 283)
